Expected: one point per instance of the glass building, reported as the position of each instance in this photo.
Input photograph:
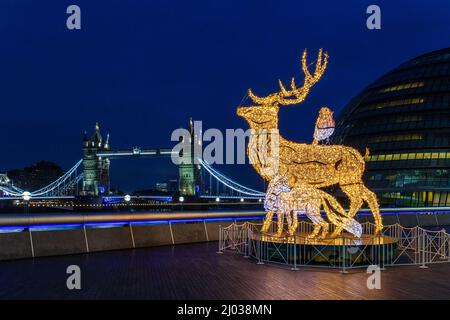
(403, 118)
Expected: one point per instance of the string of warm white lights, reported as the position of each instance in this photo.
(295, 95)
(308, 167)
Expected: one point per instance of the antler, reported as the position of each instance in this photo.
(295, 95)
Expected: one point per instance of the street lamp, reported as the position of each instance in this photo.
(26, 196)
(217, 199)
(181, 200)
(242, 199)
(127, 199)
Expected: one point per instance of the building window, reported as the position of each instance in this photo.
(408, 156)
(403, 86)
(391, 103)
(391, 138)
(408, 118)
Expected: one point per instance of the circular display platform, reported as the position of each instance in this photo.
(343, 250)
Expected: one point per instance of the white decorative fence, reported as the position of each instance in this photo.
(395, 247)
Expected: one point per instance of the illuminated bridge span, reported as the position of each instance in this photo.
(221, 185)
(90, 175)
(216, 185)
(66, 185)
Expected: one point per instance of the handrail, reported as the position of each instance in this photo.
(83, 218)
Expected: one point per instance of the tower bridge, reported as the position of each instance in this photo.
(90, 176)
(98, 154)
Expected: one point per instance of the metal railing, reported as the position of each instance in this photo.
(234, 237)
(396, 246)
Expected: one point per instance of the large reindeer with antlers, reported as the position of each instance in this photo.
(316, 165)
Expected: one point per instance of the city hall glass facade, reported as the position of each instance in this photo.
(403, 118)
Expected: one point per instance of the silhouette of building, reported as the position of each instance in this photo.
(161, 186)
(171, 186)
(404, 120)
(35, 176)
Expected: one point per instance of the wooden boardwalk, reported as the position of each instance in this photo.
(197, 272)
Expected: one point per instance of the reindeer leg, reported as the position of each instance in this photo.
(371, 200)
(319, 222)
(360, 193)
(315, 232)
(294, 224)
(329, 203)
(267, 221)
(280, 223)
(315, 218)
(289, 219)
(356, 201)
(324, 229)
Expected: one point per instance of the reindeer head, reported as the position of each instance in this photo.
(260, 117)
(265, 113)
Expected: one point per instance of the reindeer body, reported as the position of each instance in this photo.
(317, 165)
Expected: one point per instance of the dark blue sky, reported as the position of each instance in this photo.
(142, 68)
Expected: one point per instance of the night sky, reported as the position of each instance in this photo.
(142, 68)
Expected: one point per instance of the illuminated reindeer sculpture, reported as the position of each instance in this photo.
(313, 164)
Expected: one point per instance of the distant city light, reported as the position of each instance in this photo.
(127, 198)
(242, 199)
(217, 199)
(181, 199)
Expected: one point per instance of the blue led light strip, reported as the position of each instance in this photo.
(48, 227)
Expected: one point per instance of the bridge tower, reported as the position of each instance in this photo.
(189, 172)
(4, 181)
(95, 168)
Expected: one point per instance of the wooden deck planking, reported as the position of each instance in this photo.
(197, 272)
